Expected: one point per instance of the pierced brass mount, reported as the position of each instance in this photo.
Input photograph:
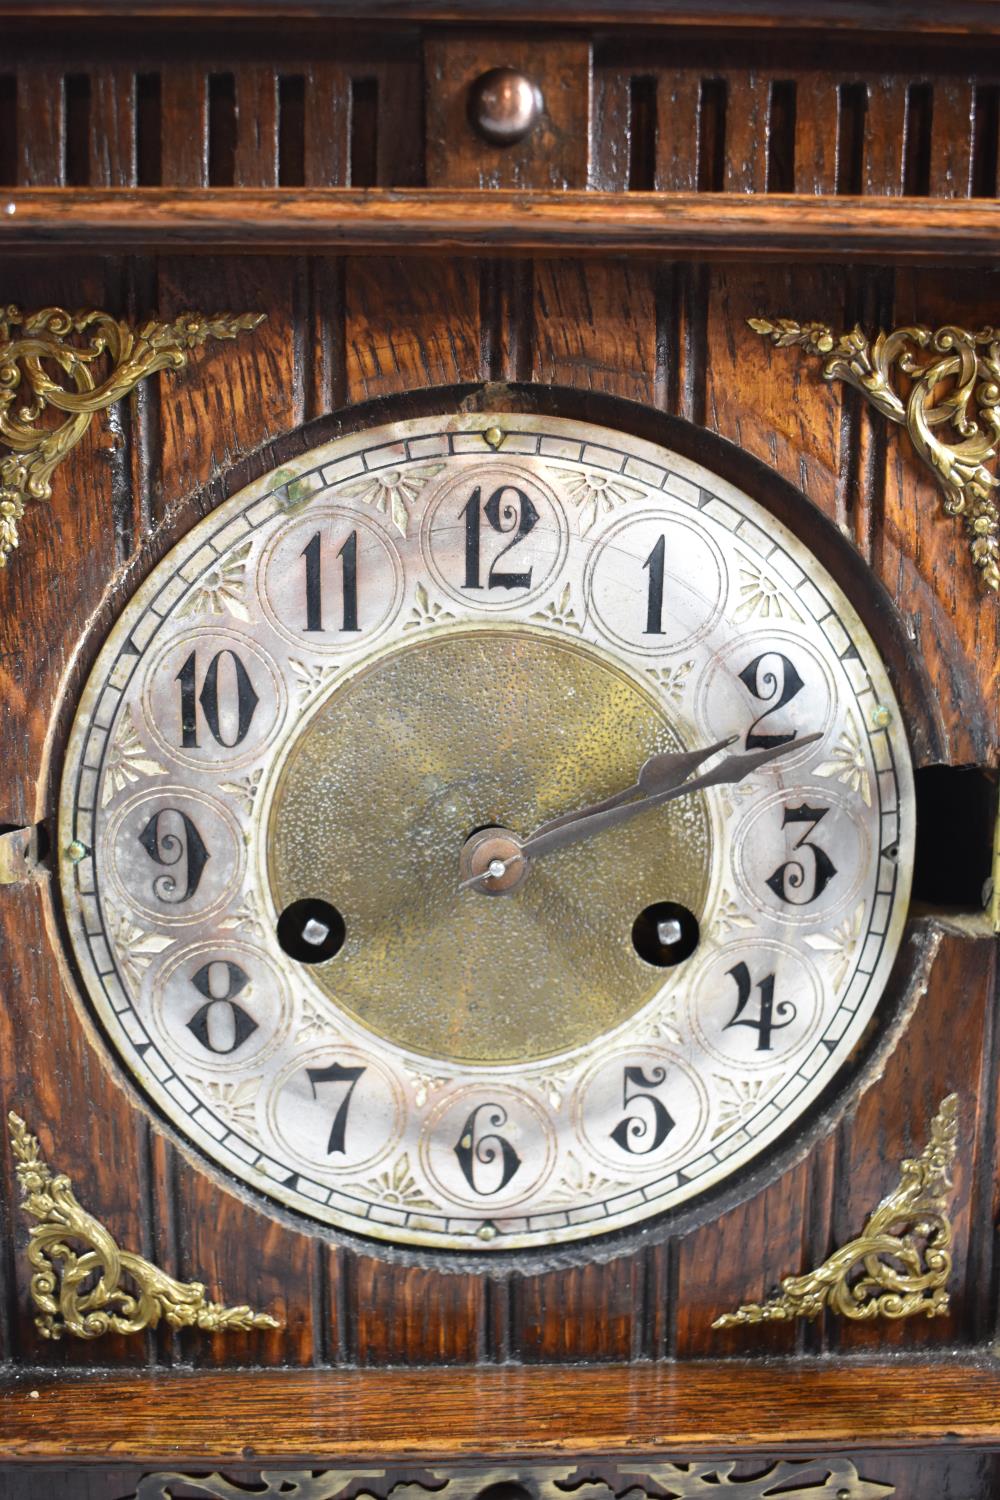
(43, 345)
(954, 381)
(790, 1479)
(88, 1299)
(899, 1264)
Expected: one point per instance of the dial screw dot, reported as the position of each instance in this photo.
(493, 436)
(881, 717)
(76, 851)
(486, 1232)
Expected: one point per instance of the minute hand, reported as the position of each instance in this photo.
(732, 769)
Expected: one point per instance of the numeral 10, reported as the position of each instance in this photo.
(348, 556)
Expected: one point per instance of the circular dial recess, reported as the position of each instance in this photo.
(492, 831)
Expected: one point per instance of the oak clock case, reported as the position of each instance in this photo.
(313, 747)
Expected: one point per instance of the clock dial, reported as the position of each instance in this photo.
(325, 911)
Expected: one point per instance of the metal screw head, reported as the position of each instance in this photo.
(486, 1232)
(504, 106)
(493, 436)
(76, 851)
(881, 717)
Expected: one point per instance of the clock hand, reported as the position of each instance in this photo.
(729, 771)
(656, 774)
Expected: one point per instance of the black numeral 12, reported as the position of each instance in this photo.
(348, 555)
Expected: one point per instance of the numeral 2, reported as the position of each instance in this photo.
(773, 679)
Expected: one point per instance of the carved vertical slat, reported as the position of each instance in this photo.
(399, 152)
(41, 126)
(112, 132)
(951, 138)
(233, 395)
(595, 325)
(184, 161)
(406, 1315)
(591, 1312)
(327, 122)
(678, 113)
(883, 140)
(609, 151)
(746, 132)
(410, 322)
(786, 416)
(816, 134)
(256, 127)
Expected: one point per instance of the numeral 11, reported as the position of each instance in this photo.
(348, 555)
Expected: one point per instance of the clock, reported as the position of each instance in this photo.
(486, 831)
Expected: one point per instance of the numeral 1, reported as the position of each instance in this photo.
(654, 598)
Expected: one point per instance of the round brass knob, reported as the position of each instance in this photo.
(504, 106)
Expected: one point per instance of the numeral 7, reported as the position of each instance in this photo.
(336, 1074)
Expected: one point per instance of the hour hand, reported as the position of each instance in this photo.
(657, 774)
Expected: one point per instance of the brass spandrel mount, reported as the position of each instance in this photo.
(900, 1263)
(932, 382)
(77, 364)
(82, 1292)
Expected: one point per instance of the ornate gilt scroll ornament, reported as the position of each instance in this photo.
(807, 1479)
(954, 382)
(88, 1298)
(45, 371)
(898, 1265)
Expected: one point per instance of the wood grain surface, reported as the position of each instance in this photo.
(393, 1416)
(730, 226)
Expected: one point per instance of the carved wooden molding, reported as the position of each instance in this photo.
(951, 380)
(899, 1264)
(820, 1479)
(77, 364)
(84, 1294)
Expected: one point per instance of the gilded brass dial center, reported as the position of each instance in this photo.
(493, 730)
